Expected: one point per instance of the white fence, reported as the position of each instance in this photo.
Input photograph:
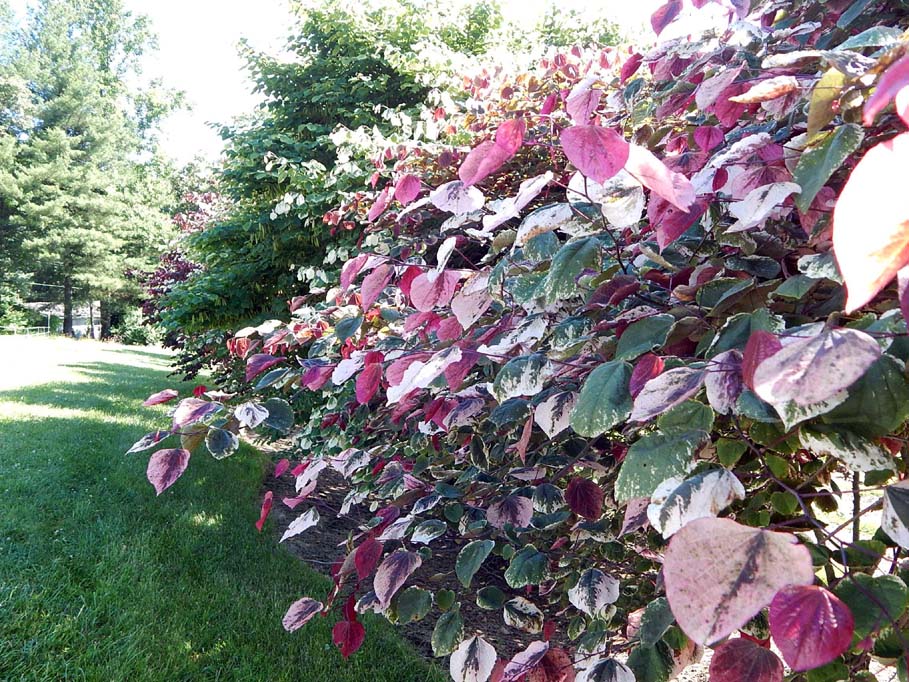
(26, 331)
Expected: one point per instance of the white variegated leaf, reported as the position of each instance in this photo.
(594, 591)
(759, 204)
(895, 514)
(421, 374)
(457, 198)
(856, 452)
(308, 519)
(524, 615)
(676, 502)
(472, 661)
(553, 415)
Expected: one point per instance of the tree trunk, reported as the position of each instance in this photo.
(68, 307)
(91, 318)
(105, 318)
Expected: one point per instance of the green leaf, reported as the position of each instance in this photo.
(567, 265)
(445, 599)
(470, 558)
(527, 567)
(822, 158)
(653, 459)
(795, 288)
(821, 110)
(271, 378)
(348, 327)
(729, 451)
(651, 663)
(874, 601)
(605, 400)
(878, 403)
(876, 36)
(784, 503)
(491, 598)
(447, 634)
(522, 376)
(280, 415)
(413, 604)
(832, 672)
(656, 620)
(644, 336)
(685, 417)
(221, 443)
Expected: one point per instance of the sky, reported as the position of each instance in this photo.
(198, 55)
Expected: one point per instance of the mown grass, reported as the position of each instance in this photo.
(101, 580)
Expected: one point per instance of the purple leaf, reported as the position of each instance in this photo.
(348, 635)
(585, 498)
(761, 345)
(374, 284)
(258, 363)
(741, 659)
(708, 137)
(148, 441)
(666, 391)
(366, 557)
(599, 153)
(656, 176)
(810, 625)
(433, 289)
(300, 612)
(665, 15)
(720, 574)
(513, 509)
(368, 382)
(164, 396)
(482, 161)
(724, 381)
(670, 223)
(646, 368)
(165, 467)
(392, 573)
(407, 189)
(814, 369)
(472, 661)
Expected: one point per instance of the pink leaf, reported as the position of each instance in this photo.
(585, 498)
(895, 79)
(164, 396)
(635, 515)
(258, 363)
(293, 502)
(472, 300)
(378, 208)
(192, 410)
(351, 269)
(631, 66)
(666, 391)
(582, 101)
(366, 557)
(368, 383)
(282, 466)
(266, 508)
(708, 137)
(710, 90)
(348, 635)
(316, 376)
(513, 509)
(646, 368)
(407, 189)
(482, 161)
(456, 372)
(719, 574)
(741, 659)
(810, 626)
(392, 573)
(814, 369)
(300, 612)
(431, 289)
(653, 174)
(902, 279)
(374, 284)
(761, 345)
(670, 223)
(665, 15)
(449, 329)
(724, 381)
(871, 222)
(510, 135)
(165, 467)
(599, 153)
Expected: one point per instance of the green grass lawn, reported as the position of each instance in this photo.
(101, 580)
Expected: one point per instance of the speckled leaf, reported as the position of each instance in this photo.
(300, 612)
(527, 567)
(561, 280)
(606, 670)
(522, 376)
(654, 458)
(514, 510)
(719, 574)
(856, 452)
(604, 400)
(221, 443)
(392, 573)
(523, 615)
(594, 591)
(553, 415)
(665, 391)
(675, 503)
(447, 633)
(165, 467)
(895, 516)
(307, 519)
(472, 661)
(724, 381)
(427, 531)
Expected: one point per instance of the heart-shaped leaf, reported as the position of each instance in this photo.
(599, 153)
(741, 659)
(810, 626)
(165, 467)
(472, 661)
(394, 570)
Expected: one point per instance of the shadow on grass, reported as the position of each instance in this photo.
(99, 575)
(159, 355)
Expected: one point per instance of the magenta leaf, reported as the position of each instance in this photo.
(741, 659)
(374, 284)
(599, 153)
(282, 466)
(720, 574)
(708, 137)
(669, 222)
(665, 15)
(165, 467)
(482, 161)
(164, 396)
(761, 345)
(585, 498)
(366, 557)
(582, 101)
(300, 612)
(266, 508)
(378, 208)
(148, 441)
(815, 368)
(392, 573)
(646, 368)
(407, 189)
(656, 176)
(895, 78)
(258, 363)
(433, 289)
(510, 135)
(810, 625)
(351, 269)
(513, 509)
(367, 382)
(348, 635)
